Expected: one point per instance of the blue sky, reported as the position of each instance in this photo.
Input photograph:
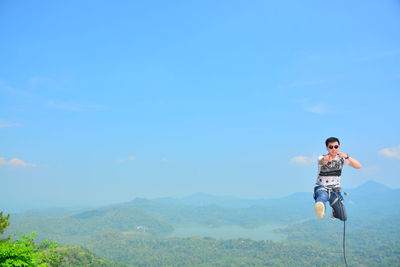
(105, 101)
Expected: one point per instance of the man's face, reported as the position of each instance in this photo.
(333, 148)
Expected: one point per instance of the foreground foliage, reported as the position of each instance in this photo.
(24, 251)
(20, 253)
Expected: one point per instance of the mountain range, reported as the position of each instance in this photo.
(141, 232)
(159, 217)
(204, 199)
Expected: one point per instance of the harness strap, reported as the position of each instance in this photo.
(333, 203)
(330, 190)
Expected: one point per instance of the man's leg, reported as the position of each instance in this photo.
(320, 196)
(336, 202)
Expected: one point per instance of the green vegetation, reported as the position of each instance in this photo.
(20, 253)
(4, 223)
(25, 252)
(76, 256)
(372, 241)
(203, 251)
(368, 249)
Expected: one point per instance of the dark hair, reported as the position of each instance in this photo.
(331, 140)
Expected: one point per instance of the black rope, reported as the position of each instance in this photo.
(344, 242)
(344, 231)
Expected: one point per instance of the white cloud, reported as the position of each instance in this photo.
(15, 91)
(39, 81)
(16, 163)
(70, 106)
(320, 108)
(303, 160)
(8, 124)
(308, 83)
(130, 158)
(392, 152)
(382, 55)
(370, 170)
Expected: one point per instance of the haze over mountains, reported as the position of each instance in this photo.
(143, 231)
(160, 216)
(204, 199)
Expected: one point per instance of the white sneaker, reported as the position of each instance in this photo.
(333, 217)
(319, 209)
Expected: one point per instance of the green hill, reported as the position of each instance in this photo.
(78, 227)
(78, 256)
(143, 217)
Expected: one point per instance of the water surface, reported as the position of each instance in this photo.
(265, 232)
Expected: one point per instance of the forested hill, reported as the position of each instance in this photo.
(155, 217)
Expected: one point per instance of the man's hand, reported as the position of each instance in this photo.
(325, 160)
(343, 155)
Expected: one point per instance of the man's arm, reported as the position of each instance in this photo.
(352, 161)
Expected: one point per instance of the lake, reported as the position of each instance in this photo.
(265, 232)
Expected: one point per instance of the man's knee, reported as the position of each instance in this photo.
(323, 197)
(339, 210)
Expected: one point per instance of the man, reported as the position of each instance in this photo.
(327, 187)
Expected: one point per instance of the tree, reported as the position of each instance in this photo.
(21, 252)
(4, 223)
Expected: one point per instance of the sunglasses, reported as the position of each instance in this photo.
(331, 147)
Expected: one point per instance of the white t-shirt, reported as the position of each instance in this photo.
(329, 174)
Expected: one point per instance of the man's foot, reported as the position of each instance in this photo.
(332, 216)
(319, 209)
